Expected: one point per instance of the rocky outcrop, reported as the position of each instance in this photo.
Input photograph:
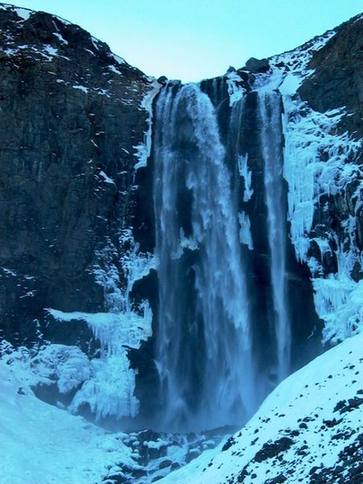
(257, 65)
(337, 80)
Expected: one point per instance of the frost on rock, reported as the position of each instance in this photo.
(143, 150)
(339, 302)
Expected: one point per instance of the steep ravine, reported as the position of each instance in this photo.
(136, 212)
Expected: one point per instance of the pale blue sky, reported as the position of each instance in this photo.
(195, 39)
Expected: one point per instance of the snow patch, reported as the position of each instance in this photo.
(106, 178)
(60, 38)
(118, 59)
(114, 70)
(81, 88)
(68, 366)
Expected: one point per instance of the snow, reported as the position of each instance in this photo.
(60, 38)
(81, 88)
(68, 366)
(46, 51)
(106, 178)
(23, 13)
(41, 443)
(296, 63)
(290, 85)
(310, 395)
(9, 271)
(118, 59)
(114, 70)
(51, 50)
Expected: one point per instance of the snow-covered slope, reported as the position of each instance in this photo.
(310, 429)
(43, 444)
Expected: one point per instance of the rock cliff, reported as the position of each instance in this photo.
(71, 122)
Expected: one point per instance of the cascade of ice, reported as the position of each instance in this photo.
(271, 145)
(203, 343)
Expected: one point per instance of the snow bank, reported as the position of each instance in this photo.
(41, 443)
(304, 409)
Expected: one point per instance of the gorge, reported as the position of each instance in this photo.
(170, 253)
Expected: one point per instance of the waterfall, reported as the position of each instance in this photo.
(203, 341)
(272, 153)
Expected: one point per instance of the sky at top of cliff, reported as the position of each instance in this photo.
(195, 39)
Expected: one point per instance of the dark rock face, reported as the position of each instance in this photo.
(70, 119)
